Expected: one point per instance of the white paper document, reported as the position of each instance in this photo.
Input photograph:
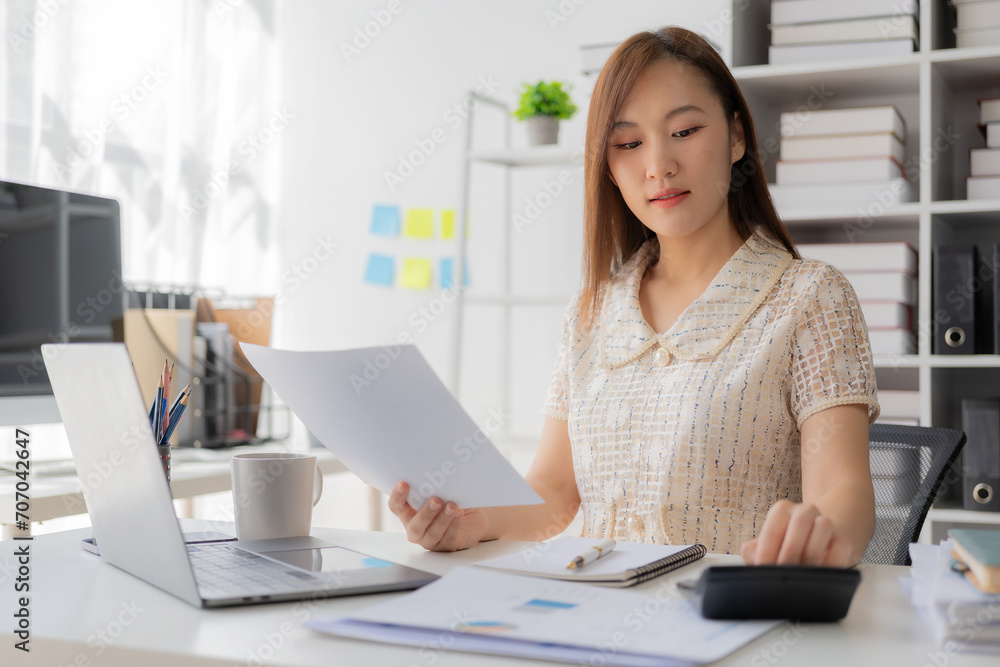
(390, 419)
(494, 612)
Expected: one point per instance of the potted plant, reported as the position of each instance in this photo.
(543, 105)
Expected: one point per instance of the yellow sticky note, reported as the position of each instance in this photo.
(448, 223)
(419, 223)
(416, 273)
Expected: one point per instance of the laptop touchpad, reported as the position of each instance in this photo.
(332, 560)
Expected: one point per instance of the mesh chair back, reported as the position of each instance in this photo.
(907, 464)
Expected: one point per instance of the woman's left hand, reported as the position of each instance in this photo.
(797, 534)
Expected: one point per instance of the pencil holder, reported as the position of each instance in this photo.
(164, 451)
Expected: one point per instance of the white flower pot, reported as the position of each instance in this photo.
(543, 130)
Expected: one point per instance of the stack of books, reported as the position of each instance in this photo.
(960, 616)
(884, 276)
(820, 30)
(978, 553)
(978, 22)
(841, 157)
(984, 181)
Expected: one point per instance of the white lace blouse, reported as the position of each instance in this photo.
(689, 436)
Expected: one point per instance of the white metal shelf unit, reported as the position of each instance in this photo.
(935, 90)
(508, 158)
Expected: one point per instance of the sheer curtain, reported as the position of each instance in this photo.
(173, 108)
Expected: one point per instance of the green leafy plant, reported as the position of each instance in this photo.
(544, 99)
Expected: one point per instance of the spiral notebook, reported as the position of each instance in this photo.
(629, 564)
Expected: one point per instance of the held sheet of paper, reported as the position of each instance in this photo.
(390, 419)
(484, 611)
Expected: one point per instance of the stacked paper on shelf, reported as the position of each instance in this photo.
(849, 157)
(984, 179)
(884, 194)
(978, 23)
(819, 30)
(992, 132)
(884, 277)
(960, 617)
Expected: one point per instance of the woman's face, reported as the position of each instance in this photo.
(670, 152)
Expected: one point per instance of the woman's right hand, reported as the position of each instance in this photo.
(438, 526)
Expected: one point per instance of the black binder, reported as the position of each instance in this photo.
(981, 456)
(996, 298)
(954, 299)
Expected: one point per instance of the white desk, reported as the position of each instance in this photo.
(76, 599)
(61, 495)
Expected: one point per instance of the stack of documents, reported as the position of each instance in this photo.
(958, 614)
(820, 30)
(884, 276)
(979, 552)
(984, 168)
(505, 614)
(841, 157)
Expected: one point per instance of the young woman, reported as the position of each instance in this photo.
(712, 387)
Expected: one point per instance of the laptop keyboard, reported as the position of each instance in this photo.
(223, 570)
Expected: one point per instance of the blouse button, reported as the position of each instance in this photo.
(633, 527)
(661, 357)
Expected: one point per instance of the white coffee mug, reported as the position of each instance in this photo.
(274, 494)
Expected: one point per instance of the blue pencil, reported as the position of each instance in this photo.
(158, 410)
(175, 417)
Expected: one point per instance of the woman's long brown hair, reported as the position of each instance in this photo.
(612, 233)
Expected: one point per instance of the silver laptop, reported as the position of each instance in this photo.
(132, 512)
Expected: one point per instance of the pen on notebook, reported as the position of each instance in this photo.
(602, 548)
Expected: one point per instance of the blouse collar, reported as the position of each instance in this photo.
(707, 325)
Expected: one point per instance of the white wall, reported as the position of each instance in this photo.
(357, 113)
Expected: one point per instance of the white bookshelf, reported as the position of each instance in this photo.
(934, 89)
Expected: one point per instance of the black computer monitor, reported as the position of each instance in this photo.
(60, 281)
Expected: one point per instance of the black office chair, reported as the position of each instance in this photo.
(908, 464)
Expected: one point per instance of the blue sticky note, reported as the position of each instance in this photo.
(448, 270)
(380, 269)
(385, 220)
